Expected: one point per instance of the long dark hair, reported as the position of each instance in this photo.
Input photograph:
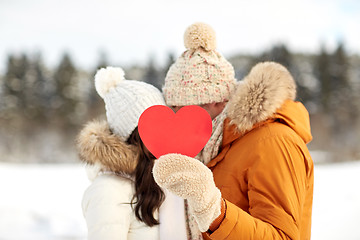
(148, 195)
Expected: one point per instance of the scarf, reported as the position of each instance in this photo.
(210, 151)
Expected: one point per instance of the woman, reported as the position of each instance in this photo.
(123, 199)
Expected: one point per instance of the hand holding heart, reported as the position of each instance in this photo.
(175, 139)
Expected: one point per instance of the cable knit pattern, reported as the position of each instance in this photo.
(197, 186)
(125, 100)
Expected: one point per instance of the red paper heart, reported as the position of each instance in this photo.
(186, 132)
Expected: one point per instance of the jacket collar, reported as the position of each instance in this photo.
(262, 92)
(97, 145)
(265, 95)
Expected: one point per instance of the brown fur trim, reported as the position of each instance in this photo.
(260, 94)
(97, 145)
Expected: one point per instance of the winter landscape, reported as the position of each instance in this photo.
(47, 64)
(42, 202)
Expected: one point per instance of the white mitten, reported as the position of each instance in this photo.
(192, 180)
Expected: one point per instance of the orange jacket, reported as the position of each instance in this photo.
(266, 177)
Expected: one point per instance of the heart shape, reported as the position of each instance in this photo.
(185, 132)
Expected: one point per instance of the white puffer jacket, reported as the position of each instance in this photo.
(108, 213)
(106, 202)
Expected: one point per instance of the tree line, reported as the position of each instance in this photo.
(29, 90)
(328, 83)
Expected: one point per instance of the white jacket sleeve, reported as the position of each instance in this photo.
(107, 209)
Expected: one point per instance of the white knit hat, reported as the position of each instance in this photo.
(201, 74)
(125, 100)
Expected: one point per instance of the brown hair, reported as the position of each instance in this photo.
(148, 196)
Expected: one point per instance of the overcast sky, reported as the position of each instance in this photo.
(129, 31)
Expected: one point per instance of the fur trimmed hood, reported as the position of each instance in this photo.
(262, 92)
(98, 146)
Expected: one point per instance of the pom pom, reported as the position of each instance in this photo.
(200, 35)
(106, 78)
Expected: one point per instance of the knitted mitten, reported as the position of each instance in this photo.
(191, 180)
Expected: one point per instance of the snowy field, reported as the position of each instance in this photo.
(42, 202)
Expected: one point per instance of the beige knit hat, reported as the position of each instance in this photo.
(200, 75)
(125, 100)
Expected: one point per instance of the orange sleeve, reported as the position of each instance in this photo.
(277, 191)
(236, 221)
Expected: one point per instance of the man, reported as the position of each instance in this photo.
(261, 181)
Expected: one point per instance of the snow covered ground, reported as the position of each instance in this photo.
(42, 202)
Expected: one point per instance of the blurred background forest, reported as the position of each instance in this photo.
(42, 109)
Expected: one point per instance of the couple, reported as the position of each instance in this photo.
(252, 180)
